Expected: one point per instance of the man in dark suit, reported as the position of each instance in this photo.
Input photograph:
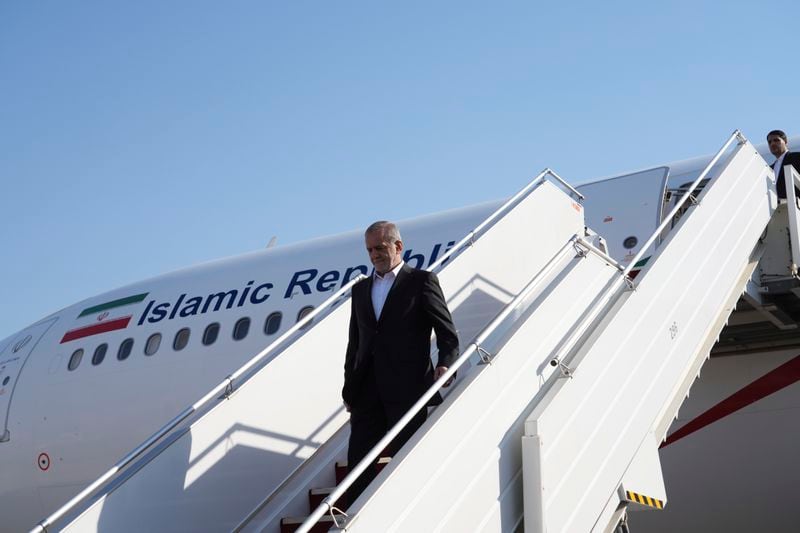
(779, 147)
(388, 365)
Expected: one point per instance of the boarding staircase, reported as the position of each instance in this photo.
(570, 375)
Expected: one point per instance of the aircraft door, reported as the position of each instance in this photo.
(626, 210)
(12, 360)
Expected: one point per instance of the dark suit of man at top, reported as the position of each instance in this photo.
(388, 365)
(779, 147)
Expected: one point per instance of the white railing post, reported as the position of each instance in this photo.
(792, 179)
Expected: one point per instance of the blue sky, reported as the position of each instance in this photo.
(141, 137)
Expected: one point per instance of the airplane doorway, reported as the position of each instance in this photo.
(626, 210)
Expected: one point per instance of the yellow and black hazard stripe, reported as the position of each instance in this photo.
(644, 500)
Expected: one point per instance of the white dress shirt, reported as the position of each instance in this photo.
(380, 288)
(776, 166)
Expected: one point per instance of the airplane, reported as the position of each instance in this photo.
(83, 386)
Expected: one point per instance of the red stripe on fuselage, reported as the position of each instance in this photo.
(94, 329)
(773, 381)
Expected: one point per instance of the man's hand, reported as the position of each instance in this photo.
(439, 372)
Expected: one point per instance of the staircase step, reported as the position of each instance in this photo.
(342, 468)
(290, 525)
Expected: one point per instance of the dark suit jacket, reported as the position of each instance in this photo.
(396, 348)
(791, 158)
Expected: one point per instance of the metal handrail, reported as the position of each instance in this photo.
(577, 331)
(475, 346)
(510, 203)
(686, 197)
(589, 318)
(226, 387)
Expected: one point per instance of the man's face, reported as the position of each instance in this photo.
(384, 255)
(777, 145)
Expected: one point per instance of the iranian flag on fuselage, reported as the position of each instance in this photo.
(104, 317)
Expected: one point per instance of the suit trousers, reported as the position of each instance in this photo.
(370, 420)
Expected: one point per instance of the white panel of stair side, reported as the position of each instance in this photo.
(462, 470)
(487, 276)
(242, 450)
(592, 425)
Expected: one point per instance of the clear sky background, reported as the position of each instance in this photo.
(141, 137)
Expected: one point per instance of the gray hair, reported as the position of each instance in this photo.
(387, 229)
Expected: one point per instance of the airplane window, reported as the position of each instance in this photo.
(303, 313)
(241, 329)
(5, 381)
(125, 349)
(75, 360)
(181, 339)
(210, 334)
(152, 344)
(273, 323)
(99, 354)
